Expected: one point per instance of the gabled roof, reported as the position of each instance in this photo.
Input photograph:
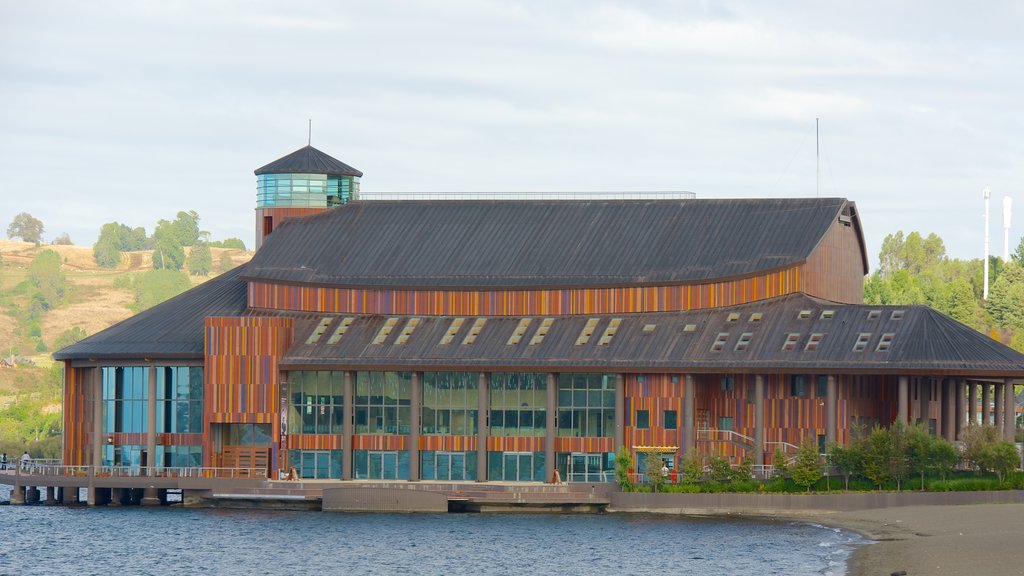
(308, 160)
(544, 244)
(920, 341)
(172, 329)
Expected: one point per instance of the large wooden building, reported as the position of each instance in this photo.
(502, 340)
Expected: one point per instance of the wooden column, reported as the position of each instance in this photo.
(986, 402)
(415, 407)
(348, 422)
(1009, 411)
(483, 387)
(549, 436)
(972, 403)
(902, 412)
(949, 405)
(997, 404)
(620, 411)
(758, 420)
(689, 406)
(961, 413)
(924, 391)
(830, 410)
(96, 392)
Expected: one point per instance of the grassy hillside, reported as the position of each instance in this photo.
(94, 299)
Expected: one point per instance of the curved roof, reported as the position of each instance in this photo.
(543, 244)
(308, 160)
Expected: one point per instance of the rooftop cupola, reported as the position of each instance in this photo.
(304, 182)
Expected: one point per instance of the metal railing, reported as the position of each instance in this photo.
(730, 436)
(47, 469)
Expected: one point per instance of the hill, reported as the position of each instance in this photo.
(94, 298)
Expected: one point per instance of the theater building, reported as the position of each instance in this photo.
(500, 340)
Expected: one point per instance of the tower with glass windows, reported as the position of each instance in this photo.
(304, 182)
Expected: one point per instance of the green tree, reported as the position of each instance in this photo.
(807, 468)
(1018, 254)
(719, 470)
(168, 253)
(26, 227)
(1006, 300)
(63, 239)
(653, 465)
(848, 459)
(919, 450)
(780, 465)
(692, 469)
(623, 462)
(69, 337)
(225, 262)
(744, 471)
(232, 243)
(114, 239)
(200, 260)
(184, 229)
(48, 279)
(156, 286)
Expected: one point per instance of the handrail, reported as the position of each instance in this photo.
(713, 431)
(43, 469)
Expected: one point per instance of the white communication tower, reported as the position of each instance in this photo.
(984, 289)
(1007, 207)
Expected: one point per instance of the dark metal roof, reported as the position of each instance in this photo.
(172, 329)
(923, 341)
(308, 160)
(551, 244)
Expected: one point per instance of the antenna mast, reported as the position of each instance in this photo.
(309, 139)
(984, 291)
(817, 162)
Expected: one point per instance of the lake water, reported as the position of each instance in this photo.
(132, 540)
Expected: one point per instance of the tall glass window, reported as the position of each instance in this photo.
(124, 399)
(316, 463)
(317, 402)
(515, 466)
(586, 405)
(382, 402)
(449, 403)
(518, 404)
(179, 406)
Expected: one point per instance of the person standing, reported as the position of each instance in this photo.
(3, 461)
(25, 459)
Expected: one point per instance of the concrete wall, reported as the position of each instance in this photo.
(772, 504)
(356, 499)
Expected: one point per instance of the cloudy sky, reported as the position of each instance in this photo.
(131, 111)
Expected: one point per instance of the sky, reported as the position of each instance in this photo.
(132, 111)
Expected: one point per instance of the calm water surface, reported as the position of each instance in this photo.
(128, 541)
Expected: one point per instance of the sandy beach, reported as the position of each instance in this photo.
(979, 539)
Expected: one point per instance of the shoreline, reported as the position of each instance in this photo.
(933, 540)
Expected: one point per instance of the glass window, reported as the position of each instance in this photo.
(671, 420)
(586, 406)
(382, 402)
(518, 402)
(317, 402)
(643, 419)
(449, 403)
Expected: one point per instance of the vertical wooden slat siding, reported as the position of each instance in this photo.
(591, 445)
(515, 444)
(453, 443)
(655, 393)
(240, 371)
(77, 415)
(266, 295)
(835, 270)
(367, 442)
(314, 441)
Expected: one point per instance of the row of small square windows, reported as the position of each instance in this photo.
(884, 343)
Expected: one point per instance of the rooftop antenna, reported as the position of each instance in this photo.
(817, 161)
(1007, 207)
(309, 138)
(984, 291)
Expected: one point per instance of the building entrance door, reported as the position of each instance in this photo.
(316, 464)
(450, 465)
(383, 465)
(584, 467)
